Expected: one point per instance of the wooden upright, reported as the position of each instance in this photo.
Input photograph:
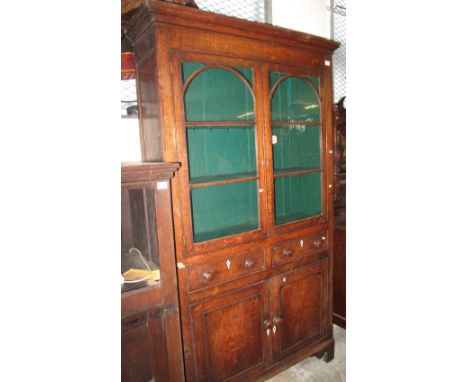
(245, 108)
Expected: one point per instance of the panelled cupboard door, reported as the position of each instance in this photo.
(229, 335)
(142, 342)
(299, 309)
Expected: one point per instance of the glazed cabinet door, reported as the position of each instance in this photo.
(299, 309)
(218, 129)
(296, 134)
(229, 335)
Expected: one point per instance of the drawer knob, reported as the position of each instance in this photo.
(249, 263)
(267, 324)
(287, 253)
(207, 276)
(317, 243)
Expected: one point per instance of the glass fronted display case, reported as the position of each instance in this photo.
(220, 123)
(150, 322)
(140, 264)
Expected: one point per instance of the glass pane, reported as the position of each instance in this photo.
(221, 152)
(217, 94)
(298, 197)
(297, 147)
(139, 247)
(295, 100)
(224, 210)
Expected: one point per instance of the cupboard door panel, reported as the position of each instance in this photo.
(136, 356)
(143, 339)
(228, 335)
(300, 309)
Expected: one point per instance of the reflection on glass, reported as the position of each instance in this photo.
(139, 247)
(217, 94)
(224, 210)
(221, 152)
(297, 148)
(294, 99)
(298, 197)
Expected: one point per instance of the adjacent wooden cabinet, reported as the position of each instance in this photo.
(151, 332)
(245, 109)
(339, 269)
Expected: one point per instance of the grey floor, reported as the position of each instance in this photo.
(315, 370)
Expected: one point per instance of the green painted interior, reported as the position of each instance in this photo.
(297, 148)
(298, 197)
(294, 99)
(221, 152)
(224, 210)
(216, 94)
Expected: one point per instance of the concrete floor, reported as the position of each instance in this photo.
(315, 370)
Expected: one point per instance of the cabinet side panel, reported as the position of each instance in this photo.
(148, 97)
(300, 302)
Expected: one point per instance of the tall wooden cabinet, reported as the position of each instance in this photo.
(151, 332)
(245, 108)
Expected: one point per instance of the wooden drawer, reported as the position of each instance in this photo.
(301, 246)
(231, 267)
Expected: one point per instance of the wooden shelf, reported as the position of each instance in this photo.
(229, 231)
(283, 219)
(294, 171)
(215, 180)
(226, 124)
(293, 123)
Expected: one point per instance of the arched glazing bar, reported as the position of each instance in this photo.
(207, 101)
(290, 102)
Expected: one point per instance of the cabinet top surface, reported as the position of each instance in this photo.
(147, 171)
(168, 13)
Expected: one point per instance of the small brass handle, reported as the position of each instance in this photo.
(249, 263)
(267, 324)
(207, 276)
(277, 320)
(287, 252)
(317, 243)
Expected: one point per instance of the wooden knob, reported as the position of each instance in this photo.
(317, 243)
(249, 263)
(287, 252)
(207, 276)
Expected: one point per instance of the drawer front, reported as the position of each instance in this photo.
(301, 246)
(232, 267)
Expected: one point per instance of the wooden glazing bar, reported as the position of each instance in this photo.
(225, 181)
(293, 173)
(306, 123)
(217, 123)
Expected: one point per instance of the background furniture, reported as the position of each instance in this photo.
(339, 269)
(151, 336)
(246, 109)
